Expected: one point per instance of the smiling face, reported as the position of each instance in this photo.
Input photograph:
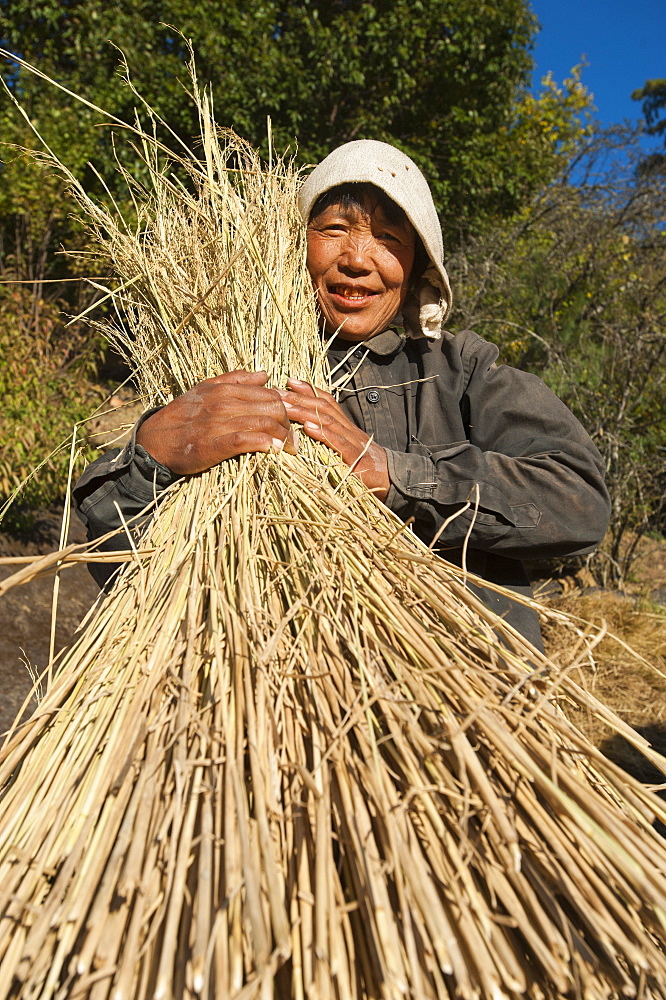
(360, 263)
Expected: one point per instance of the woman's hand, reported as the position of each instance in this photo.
(225, 416)
(324, 420)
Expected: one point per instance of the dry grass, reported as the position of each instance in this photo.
(290, 754)
(631, 681)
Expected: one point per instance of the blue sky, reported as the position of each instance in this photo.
(624, 43)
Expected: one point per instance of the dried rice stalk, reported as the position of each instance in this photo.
(288, 755)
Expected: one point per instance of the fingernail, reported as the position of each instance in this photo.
(296, 381)
(277, 444)
(310, 425)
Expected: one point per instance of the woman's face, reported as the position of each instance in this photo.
(360, 264)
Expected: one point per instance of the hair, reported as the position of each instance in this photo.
(355, 195)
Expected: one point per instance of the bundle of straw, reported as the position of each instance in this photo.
(290, 754)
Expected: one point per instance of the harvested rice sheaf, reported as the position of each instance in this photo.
(290, 754)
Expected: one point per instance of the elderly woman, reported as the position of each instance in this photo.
(478, 455)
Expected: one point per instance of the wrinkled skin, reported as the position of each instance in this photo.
(360, 265)
(223, 417)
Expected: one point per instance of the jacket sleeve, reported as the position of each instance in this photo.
(114, 491)
(532, 476)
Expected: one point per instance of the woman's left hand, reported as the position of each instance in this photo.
(324, 420)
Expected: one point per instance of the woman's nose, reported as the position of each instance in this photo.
(357, 254)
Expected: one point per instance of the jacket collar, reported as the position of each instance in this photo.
(383, 344)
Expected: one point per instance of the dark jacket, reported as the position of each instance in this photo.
(455, 427)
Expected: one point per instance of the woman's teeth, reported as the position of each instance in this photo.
(351, 293)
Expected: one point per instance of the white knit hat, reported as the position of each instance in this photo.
(367, 161)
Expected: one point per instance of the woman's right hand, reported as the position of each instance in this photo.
(225, 416)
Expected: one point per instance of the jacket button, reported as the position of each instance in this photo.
(372, 396)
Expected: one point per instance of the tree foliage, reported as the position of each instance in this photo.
(445, 80)
(653, 96)
(575, 290)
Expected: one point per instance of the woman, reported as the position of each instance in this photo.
(483, 458)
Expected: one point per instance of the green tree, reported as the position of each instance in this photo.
(446, 80)
(653, 96)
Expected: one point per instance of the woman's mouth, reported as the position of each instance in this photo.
(355, 294)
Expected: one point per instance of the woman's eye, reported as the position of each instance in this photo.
(388, 236)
